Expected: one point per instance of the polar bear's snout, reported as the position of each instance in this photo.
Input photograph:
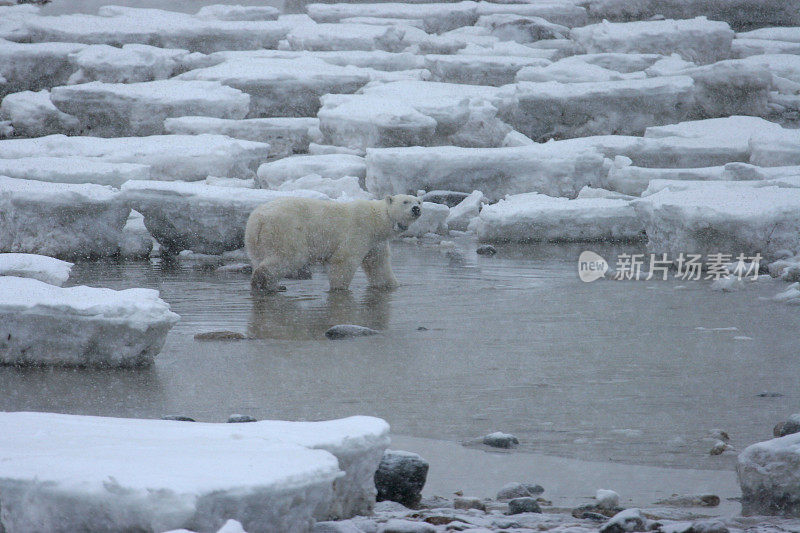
(416, 211)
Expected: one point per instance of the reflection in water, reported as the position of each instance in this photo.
(278, 316)
(106, 392)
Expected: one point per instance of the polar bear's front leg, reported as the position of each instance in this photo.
(340, 273)
(378, 269)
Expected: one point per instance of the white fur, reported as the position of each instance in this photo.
(285, 236)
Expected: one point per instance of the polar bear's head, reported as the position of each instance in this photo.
(403, 210)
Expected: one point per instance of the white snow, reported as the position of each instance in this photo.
(283, 87)
(521, 29)
(330, 166)
(537, 217)
(346, 188)
(743, 47)
(549, 169)
(73, 170)
(546, 110)
(32, 67)
(733, 87)
(699, 40)
(46, 269)
(198, 217)
(117, 26)
(32, 114)
(566, 13)
(131, 63)
(170, 157)
(12, 20)
(733, 128)
(775, 149)
(462, 214)
(85, 326)
(285, 135)
(139, 109)
(108, 473)
(238, 12)
(791, 34)
(721, 217)
(608, 499)
(437, 17)
(628, 179)
(349, 36)
(769, 476)
(60, 219)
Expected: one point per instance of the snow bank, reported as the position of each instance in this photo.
(546, 110)
(286, 136)
(536, 217)
(698, 40)
(139, 109)
(129, 64)
(769, 477)
(73, 170)
(117, 25)
(32, 114)
(283, 87)
(45, 269)
(84, 326)
(436, 17)
(198, 217)
(59, 219)
(170, 157)
(497, 171)
(479, 69)
(32, 67)
(329, 166)
(628, 179)
(722, 217)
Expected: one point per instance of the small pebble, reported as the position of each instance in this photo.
(238, 419)
(486, 249)
(220, 336)
(179, 418)
(523, 505)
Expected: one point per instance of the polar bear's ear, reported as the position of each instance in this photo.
(388, 199)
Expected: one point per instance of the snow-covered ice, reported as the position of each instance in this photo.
(732, 87)
(521, 29)
(436, 17)
(32, 114)
(198, 217)
(349, 36)
(567, 13)
(170, 157)
(117, 26)
(722, 217)
(462, 214)
(128, 64)
(769, 477)
(285, 135)
(271, 476)
(46, 269)
(283, 87)
(60, 219)
(238, 12)
(331, 166)
(744, 47)
(479, 69)
(699, 40)
(345, 188)
(628, 179)
(775, 149)
(627, 107)
(85, 326)
(549, 169)
(73, 170)
(537, 217)
(34, 66)
(139, 109)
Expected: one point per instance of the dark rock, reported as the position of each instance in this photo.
(400, 477)
(179, 418)
(691, 500)
(448, 198)
(533, 488)
(512, 490)
(422, 328)
(707, 526)
(486, 249)
(466, 502)
(523, 505)
(238, 419)
(770, 395)
(501, 440)
(591, 510)
(220, 336)
(625, 521)
(787, 427)
(344, 331)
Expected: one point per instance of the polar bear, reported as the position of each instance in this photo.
(286, 235)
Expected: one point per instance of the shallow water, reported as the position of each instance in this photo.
(516, 342)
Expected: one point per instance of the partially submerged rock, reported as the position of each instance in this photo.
(498, 439)
(344, 331)
(400, 477)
